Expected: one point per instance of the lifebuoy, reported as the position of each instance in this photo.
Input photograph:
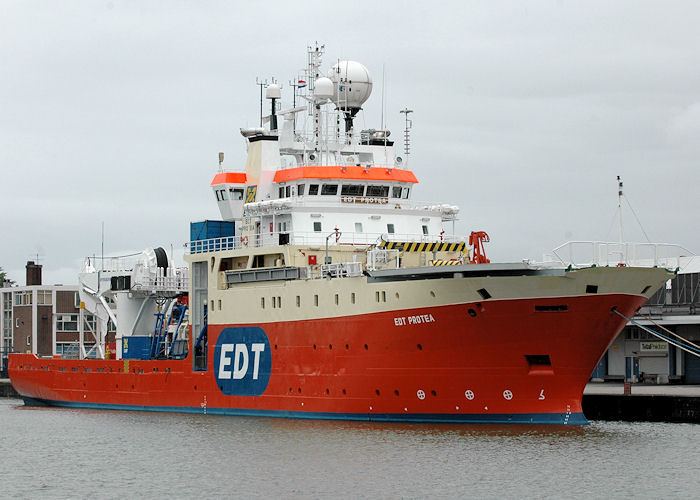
(244, 241)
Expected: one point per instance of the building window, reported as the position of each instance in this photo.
(358, 227)
(43, 297)
(390, 228)
(316, 300)
(337, 299)
(76, 300)
(300, 189)
(376, 296)
(381, 191)
(425, 229)
(23, 298)
(383, 296)
(66, 322)
(262, 302)
(279, 301)
(317, 227)
(352, 190)
(352, 298)
(313, 189)
(329, 190)
(298, 301)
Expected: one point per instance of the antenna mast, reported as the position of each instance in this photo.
(406, 132)
(619, 205)
(262, 84)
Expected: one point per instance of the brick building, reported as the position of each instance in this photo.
(41, 319)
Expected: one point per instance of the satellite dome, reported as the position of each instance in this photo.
(352, 85)
(273, 91)
(323, 88)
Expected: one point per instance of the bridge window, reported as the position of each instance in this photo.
(329, 190)
(300, 189)
(382, 191)
(313, 189)
(405, 193)
(236, 194)
(390, 228)
(287, 191)
(396, 192)
(352, 190)
(281, 192)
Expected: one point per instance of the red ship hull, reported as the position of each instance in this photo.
(520, 360)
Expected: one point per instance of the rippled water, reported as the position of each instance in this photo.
(65, 453)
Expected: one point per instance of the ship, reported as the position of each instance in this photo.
(326, 292)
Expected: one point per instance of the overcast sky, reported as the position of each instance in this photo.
(524, 114)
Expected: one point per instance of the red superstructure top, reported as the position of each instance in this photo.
(349, 172)
(229, 178)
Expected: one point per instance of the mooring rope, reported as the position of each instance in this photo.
(683, 345)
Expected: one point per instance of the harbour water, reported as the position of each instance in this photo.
(66, 453)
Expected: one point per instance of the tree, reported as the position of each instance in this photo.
(4, 278)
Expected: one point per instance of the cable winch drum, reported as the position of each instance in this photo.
(162, 259)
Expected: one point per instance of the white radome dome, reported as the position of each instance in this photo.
(323, 88)
(352, 85)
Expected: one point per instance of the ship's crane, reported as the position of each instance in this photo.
(476, 243)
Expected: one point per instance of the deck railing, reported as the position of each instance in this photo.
(602, 253)
(311, 238)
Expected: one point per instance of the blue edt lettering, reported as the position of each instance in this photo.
(242, 361)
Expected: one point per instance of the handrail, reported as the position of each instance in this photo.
(310, 238)
(602, 253)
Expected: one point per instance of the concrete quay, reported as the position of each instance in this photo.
(6, 389)
(645, 403)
